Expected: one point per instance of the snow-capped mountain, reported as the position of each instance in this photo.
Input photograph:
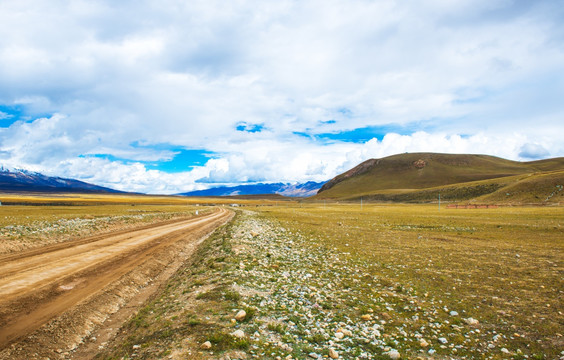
(293, 190)
(19, 180)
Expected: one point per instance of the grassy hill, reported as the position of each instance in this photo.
(419, 177)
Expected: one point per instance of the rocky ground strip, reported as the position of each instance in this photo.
(257, 290)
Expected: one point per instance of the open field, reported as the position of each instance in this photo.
(54, 295)
(317, 281)
(41, 219)
(320, 280)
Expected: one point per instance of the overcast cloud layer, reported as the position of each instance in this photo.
(171, 96)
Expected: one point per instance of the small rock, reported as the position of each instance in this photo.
(431, 351)
(339, 335)
(206, 346)
(286, 347)
(333, 354)
(453, 313)
(135, 347)
(238, 333)
(313, 355)
(443, 340)
(504, 350)
(423, 343)
(471, 321)
(366, 317)
(240, 316)
(393, 354)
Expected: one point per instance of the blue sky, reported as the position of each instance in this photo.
(171, 96)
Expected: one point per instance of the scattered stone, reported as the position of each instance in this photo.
(339, 335)
(206, 346)
(313, 355)
(423, 343)
(453, 313)
(238, 333)
(240, 316)
(135, 347)
(471, 321)
(333, 354)
(366, 317)
(505, 351)
(393, 354)
(443, 340)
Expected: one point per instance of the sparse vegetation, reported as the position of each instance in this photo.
(454, 283)
(481, 283)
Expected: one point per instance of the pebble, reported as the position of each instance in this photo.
(393, 354)
(240, 316)
(443, 340)
(313, 355)
(238, 333)
(206, 346)
(423, 343)
(366, 317)
(471, 321)
(333, 354)
(453, 313)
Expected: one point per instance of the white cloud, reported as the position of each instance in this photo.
(472, 74)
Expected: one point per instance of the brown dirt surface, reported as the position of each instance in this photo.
(53, 298)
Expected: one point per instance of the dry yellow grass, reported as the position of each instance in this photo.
(503, 266)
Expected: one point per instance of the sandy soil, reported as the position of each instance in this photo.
(53, 298)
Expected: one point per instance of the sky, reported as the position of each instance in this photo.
(169, 96)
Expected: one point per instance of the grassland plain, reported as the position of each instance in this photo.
(381, 282)
(40, 219)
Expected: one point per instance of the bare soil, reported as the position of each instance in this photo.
(55, 297)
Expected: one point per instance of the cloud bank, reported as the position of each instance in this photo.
(115, 93)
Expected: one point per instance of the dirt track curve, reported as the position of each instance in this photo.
(38, 285)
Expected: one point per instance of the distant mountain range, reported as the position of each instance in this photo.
(292, 190)
(18, 180)
(420, 177)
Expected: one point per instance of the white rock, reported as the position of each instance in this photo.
(339, 335)
(238, 333)
(471, 321)
(393, 354)
(240, 316)
(453, 313)
(443, 340)
(207, 345)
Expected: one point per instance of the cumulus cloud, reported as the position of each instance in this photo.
(241, 79)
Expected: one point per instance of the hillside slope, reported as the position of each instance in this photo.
(420, 177)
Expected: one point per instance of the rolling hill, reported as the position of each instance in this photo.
(419, 177)
(17, 180)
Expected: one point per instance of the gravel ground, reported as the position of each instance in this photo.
(260, 291)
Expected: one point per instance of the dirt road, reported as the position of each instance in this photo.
(40, 285)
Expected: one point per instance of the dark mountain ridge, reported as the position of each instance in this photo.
(19, 180)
